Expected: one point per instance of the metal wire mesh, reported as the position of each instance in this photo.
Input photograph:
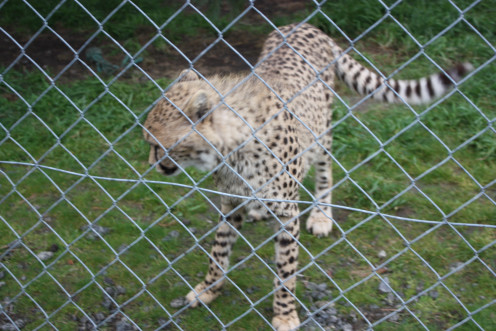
(12, 187)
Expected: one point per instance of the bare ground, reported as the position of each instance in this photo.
(65, 58)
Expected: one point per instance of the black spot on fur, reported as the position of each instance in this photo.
(417, 90)
(430, 88)
(409, 91)
(288, 312)
(285, 241)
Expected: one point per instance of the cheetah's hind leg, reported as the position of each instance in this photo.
(319, 222)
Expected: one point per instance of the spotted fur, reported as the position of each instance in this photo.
(260, 134)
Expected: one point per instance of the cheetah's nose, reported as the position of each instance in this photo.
(166, 170)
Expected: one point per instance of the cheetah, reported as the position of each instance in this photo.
(259, 134)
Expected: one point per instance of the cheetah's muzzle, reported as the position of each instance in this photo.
(168, 171)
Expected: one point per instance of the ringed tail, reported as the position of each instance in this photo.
(414, 92)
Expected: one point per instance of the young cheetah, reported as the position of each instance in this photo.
(260, 134)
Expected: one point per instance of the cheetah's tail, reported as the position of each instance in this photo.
(416, 91)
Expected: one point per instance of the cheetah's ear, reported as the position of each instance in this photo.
(188, 75)
(198, 105)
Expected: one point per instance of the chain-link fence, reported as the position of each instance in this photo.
(91, 237)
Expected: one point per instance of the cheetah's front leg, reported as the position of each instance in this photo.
(206, 291)
(285, 314)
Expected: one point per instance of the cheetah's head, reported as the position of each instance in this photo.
(179, 128)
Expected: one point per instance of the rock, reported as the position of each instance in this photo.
(311, 286)
(384, 286)
(324, 315)
(320, 304)
(353, 316)
(107, 303)
(312, 326)
(99, 317)
(347, 327)
(53, 248)
(434, 294)
(420, 287)
(14, 244)
(179, 302)
(317, 291)
(43, 256)
(19, 324)
(165, 324)
(382, 254)
(108, 281)
(100, 230)
(2, 274)
(456, 266)
(85, 324)
(332, 311)
(120, 290)
(110, 291)
(123, 325)
(316, 287)
(171, 235)
(252, 289)
(8, 327)
(333, 319)
(122, 248)
(2, 284)
(394, 318)
(390, 299)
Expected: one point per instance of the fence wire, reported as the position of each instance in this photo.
(21, 290)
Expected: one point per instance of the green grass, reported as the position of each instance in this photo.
(52, 204)
(421, 18)
(120, 21)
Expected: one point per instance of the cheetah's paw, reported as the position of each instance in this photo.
(319, 224)
(254, 215)
(201, 296)
(286, 323)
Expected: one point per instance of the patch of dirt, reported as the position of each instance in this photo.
(210, 55)
(64, 54)
(48, 52)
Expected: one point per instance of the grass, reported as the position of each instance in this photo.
(119, 20)
(78, 127)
